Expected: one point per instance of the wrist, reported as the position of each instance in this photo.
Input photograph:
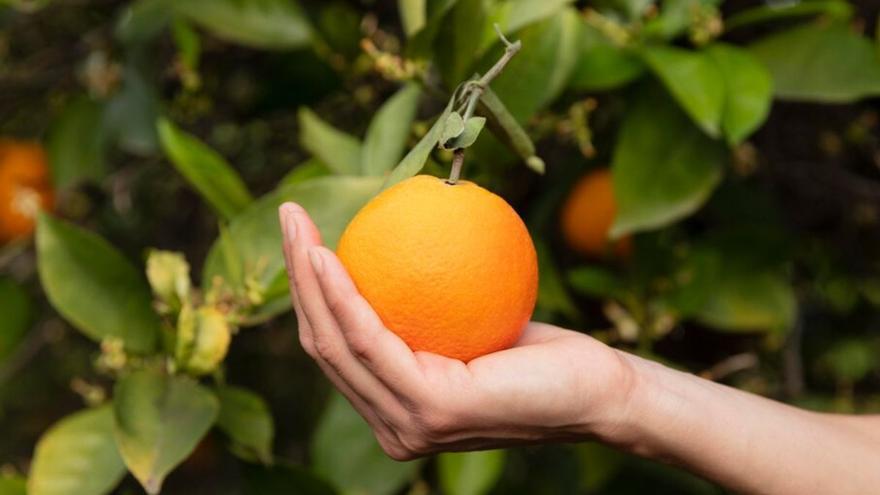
(646, 393)
(665, 414)
(607, 414)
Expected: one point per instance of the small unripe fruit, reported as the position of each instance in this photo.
(203, 337)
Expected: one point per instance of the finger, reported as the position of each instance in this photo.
(372, 417)
(289, 233)
(330, 346)
(383, 352)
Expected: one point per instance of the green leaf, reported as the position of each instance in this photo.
(388, 132)
(521, 13)
(208, 172)
(877, 38)
(77, 143)
(552, 294)
(94, 287)
(268, 24)
(628, 10)
(458, 41)
(748, 91)
(850, 360)
(346, 453)
(412, 15)
(827, 64)
(12, 485)
(160, 420)
(694, 80)
(141, 21)
(662, 173)
(470, 473)
(421, 42)
(542, 68)
(285, 478)
(131, 114)
(246, 419)
(77, 456)
(837, 9)
(413, 162)
(339, 26)
(467, 136)
(601, 65)
(514, 15)
(839, 293)
(536, 163)
(748, 302)
(505, 127)
(340, 151)
(452, 128)
(229, 258)
(256, 236)
(309, 169)
(189, 45)
(18, 313)
(727, 288)
(676, 17)
(595, 281)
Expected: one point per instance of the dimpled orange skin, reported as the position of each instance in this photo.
(24, 188)
(588, 214)
(451, 269)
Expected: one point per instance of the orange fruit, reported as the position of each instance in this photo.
(451, 269)
(24, 188)
(587, 216)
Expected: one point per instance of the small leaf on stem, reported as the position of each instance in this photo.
(468, 135)
(452, 128)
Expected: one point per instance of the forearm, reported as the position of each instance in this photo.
(744, 442)
(866, 425)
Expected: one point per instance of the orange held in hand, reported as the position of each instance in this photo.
(587, 216)
(451, 269)
(24, 188)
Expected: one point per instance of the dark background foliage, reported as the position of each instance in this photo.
(756, 234)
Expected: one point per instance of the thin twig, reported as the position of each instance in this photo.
(457, 162)
(731, 365)
(480, 85)
(474, 90)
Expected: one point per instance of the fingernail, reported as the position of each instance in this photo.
(317, 261)
(292, 207)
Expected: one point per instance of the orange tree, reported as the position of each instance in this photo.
(742, 144)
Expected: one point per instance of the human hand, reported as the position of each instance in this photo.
(554, 384)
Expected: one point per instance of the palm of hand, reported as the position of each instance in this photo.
(549, 381)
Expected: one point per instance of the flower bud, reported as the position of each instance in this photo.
(168, 273)
(203, 337)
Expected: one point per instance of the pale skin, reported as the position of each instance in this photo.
(561, 385)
